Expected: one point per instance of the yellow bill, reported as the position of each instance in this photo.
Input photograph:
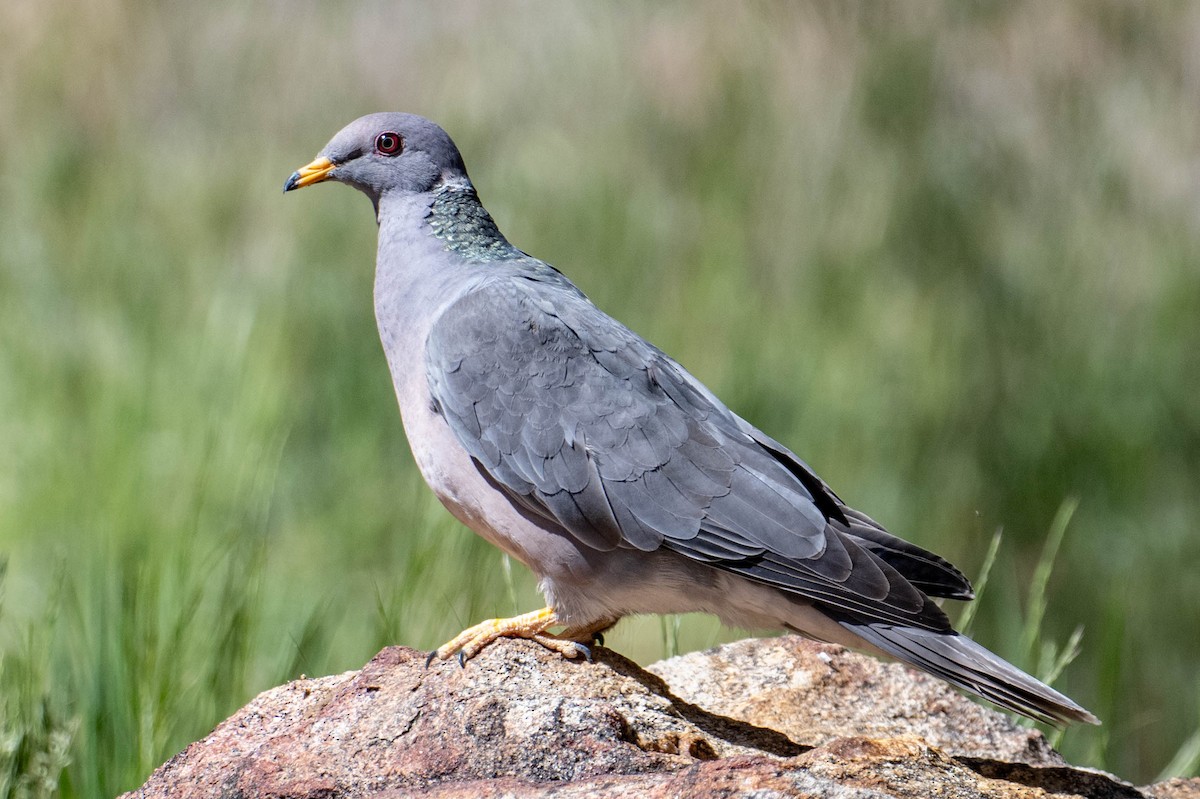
(315, 172)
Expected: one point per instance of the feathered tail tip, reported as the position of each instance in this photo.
(961, 662)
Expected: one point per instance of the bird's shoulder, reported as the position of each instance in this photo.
(527, 320)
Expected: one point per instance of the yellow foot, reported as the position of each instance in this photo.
(586, 634)
(471, 641)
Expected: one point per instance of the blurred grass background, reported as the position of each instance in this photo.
(946, 251)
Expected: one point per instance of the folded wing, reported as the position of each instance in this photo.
(584, 423)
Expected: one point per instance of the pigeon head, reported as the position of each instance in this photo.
(382, 154)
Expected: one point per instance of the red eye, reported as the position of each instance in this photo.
(389, 143)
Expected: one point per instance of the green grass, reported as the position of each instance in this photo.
(945, 251)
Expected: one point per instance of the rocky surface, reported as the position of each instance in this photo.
(768, 718)
(815, 694)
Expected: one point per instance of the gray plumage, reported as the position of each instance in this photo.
(576, 446)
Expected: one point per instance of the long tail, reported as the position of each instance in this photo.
(961, 662)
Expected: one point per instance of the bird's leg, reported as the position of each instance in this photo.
(587, 634)
(533, 626)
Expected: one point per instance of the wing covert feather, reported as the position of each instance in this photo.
(584, 423)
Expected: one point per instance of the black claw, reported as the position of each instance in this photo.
(430, 659)
(599, 639)
(462, 660)
(583, 650)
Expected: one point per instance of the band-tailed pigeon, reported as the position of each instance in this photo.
(577, 447)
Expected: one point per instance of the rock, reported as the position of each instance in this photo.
(1174, 789)
(815, 693)
(777, 717)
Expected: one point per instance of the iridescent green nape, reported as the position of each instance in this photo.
(460, 220)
